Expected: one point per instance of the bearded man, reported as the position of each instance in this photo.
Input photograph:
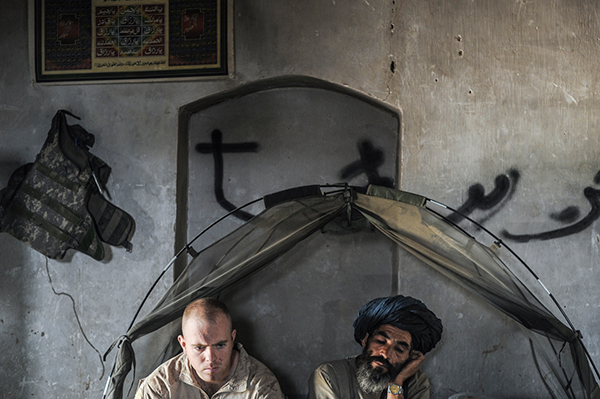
(395, 333)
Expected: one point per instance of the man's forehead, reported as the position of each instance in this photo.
(393, 333)
(205, 332)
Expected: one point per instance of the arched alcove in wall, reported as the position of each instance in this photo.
(267, 136)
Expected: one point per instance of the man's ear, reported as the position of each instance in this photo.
(181, 342)
(364, 340)
(233, 333)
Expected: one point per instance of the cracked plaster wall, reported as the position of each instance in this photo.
(484, 87)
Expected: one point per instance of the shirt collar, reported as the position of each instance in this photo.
(238, 382)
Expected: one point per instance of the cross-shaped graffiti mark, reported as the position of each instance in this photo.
(592, 195)
(217, 148)
(371, 158)
(504, 188)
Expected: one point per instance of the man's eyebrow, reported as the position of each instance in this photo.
(205, 345)
(385, 335)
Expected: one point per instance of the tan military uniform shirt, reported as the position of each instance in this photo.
(337, 380)
(174, 380)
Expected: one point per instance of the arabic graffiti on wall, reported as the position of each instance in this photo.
(371, 158)
(592, 195)
(505, 186)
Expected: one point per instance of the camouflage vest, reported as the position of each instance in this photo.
(56, 203)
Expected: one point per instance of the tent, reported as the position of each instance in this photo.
(415, 223)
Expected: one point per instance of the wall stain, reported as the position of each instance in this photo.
(494, 349)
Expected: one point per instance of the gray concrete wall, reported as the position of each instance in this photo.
(486, 89)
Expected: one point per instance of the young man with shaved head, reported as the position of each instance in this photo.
(212, 364)
(395, 334)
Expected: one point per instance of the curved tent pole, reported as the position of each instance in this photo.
(281, 196)
(499, 242)
(189, 249)
(349, 201)
(186, 248)
(421, 231)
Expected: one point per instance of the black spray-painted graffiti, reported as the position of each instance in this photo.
(217, 148)
(371, 158)
(569, 214)
(505, 186)
(504, 189)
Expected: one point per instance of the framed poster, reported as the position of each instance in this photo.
(108, 40)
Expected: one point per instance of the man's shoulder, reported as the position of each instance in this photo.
(254, 368)
(338, 377)
(334, 379)
(421, 375)
(419, 381)
(336, 372)
(163, 378)
(347, 364)
(255, 376)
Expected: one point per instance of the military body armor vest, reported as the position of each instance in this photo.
(56, 203)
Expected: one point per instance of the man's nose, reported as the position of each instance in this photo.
(210, 354)
(384, 350)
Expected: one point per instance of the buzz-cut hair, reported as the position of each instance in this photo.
(208, 309)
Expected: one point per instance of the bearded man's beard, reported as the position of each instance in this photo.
(373, 380)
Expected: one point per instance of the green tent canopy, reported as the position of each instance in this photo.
(411, 221)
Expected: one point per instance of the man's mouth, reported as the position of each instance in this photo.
(379, 362)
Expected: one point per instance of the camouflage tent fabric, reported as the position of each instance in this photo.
(406, 219)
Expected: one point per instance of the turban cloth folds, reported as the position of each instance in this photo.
(402, 312)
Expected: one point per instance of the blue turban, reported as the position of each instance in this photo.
(403, 312)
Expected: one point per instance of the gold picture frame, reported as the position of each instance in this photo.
(83, 41)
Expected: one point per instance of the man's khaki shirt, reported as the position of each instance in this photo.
(174, 379)
(337, 380)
